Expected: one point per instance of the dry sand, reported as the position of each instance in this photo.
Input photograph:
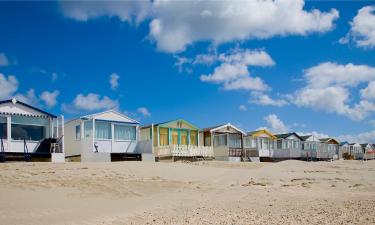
(289, 192)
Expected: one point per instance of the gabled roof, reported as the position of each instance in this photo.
(364, 145)
(354, 144)
(171, 121)
(213, 129)
(14, 101)
(110, 111)
(329, 139)
(258, 132)
(305, 137)
(344, 143)
(286, 135)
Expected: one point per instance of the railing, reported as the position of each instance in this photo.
(183, 151)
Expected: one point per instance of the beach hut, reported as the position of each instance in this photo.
(343, 148)
(288, 146)
(226, 141)
(355, 149)
(29, 133)
(311, 148)
(102, 137)
(368, 151)
(175, 139)
(259, 143)
(329, 148)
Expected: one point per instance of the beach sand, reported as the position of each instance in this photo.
(289, 192)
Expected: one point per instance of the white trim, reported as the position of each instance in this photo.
(108, 111)
(228, 125)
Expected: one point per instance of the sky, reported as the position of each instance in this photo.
(287, 66)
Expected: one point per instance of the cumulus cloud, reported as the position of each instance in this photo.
(49, 98)
(362, 31)
(113, 80)
(90, 102)
(274, 124)
(314, 133)
(329, 85)
(144, 111)
(4, 60)
(126, 11)
(177, 24)
(260, 98)
(29, 98)
(364, 137)
(328, 73)
(8, 86)
(233, 72)
(369, 91)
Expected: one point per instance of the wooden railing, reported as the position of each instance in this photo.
(184, 151)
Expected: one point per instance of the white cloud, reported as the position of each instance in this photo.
(90, 102)
(180, 63)
(144, 111)
(369, 91)
(329, 87)
(364, 137)
(126, 11)
(113, 80)
(8, 86)
(247, 84)
(49, 98)
(4, 60)
(177, 24)
(233, 71)
(274, 124)
(328, 73)
(29, 98)
(314, 133)
(260, 98)
(362, 31)
(242, 108)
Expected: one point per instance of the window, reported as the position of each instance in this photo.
(193, 137)
(234, 141)
(88, 129)
(28, 132)
(125, 132)
(183, 137)
(175, 137)
(163, 135)
(295, 144)
(29, 128)
(103, 130)
(279, 144)
(78, 132)
(3, 128)
(253, 143)
(220, 140)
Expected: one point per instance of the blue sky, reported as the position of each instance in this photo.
(305, 68)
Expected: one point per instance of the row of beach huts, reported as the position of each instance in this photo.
(31, 134)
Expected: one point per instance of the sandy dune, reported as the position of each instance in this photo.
(290, 192)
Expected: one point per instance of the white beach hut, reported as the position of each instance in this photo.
(29, 133)
(102, 137)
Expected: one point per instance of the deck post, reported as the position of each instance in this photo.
(9, 133)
